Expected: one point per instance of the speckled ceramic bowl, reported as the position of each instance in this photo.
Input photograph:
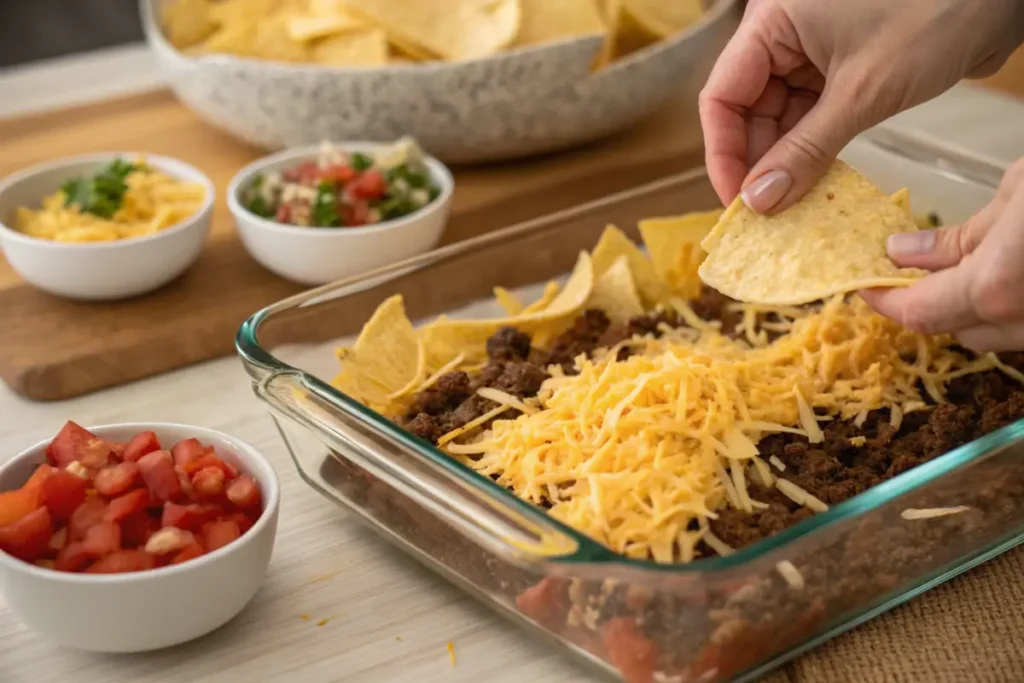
(515, 104)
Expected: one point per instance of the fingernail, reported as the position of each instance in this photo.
(911, 243)
(767, 191)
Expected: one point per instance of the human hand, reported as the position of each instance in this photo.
(977, 288)
(801, 78)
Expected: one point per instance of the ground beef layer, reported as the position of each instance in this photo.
(718, 625)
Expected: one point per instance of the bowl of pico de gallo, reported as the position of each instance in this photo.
(318, 214)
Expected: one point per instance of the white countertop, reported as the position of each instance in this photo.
(390, 619)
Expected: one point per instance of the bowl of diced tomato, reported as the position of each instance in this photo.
(323, 213)
(134, 537)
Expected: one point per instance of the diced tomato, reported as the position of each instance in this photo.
(369, 185)
(137, 529)
(210, 460)
(169, 540)
(28, 538)
(35, 482)
(283, 214)
(117, 448)
(634, 654)
(62, 493)
(546, 602)
(305, 173)
(220, 533)
(74, 442)
(243, 520)
(102, 539)
(158, 472)
(190, 517)
(45, 564)
(186, 451)
(87, 515)
(58, 540)
(337, 173)
(357, 213)
(123, 561)
(131, 503)
(209, 482)
(115, 480)
(189, 552)
(187, 492)
(141, 444)
(72, 558)
(243, 492)
(15, 505)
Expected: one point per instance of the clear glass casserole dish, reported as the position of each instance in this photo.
(720, 619)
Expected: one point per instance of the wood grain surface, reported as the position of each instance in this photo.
(53, 349)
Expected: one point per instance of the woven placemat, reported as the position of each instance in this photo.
(969, 630)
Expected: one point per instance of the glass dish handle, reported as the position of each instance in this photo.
(517, 533)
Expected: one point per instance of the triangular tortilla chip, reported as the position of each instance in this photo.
(615, 293)
(549, 294)
(545, 21)
(902, 200)
(664, 18)
(385, 359)
(452, 29)
(830, 242)
(611, 246)
(674, 246)
(446, 339)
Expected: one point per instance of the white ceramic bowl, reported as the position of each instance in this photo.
(316, 256)
(514, 104)
(146, 610)
(97, 271)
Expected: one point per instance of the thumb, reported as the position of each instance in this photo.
(800, 158)
(941, 248)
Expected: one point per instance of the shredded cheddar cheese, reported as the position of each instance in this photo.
(640, 453)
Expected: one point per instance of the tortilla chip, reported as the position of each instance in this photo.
(902, 199)
(674, 247)
(545, 21)
(663, 18)
(188, 22)
(615, 293)
(508, 301)
(611, 246)
(445, 339)
(549, 294)
(353, 48)
(452, 29)
(830, 242)
(386, 358)
(313, 26)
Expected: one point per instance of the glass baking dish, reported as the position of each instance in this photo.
(720, 619)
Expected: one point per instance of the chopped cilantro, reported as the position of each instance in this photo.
(325, 206)
(413, 178)
(361, 162)
(254, 201)
(103, 193)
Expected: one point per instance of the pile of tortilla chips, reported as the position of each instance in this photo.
(381, 32)
(786, 258)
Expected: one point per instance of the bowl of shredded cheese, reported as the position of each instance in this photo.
(104, 226)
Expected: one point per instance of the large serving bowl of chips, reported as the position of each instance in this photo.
(508, 103)
(942, 504)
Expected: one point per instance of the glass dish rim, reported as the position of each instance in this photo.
(917, 148)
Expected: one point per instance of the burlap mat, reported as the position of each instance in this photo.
(969, 630)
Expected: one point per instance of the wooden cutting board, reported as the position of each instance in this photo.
(53, 349)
